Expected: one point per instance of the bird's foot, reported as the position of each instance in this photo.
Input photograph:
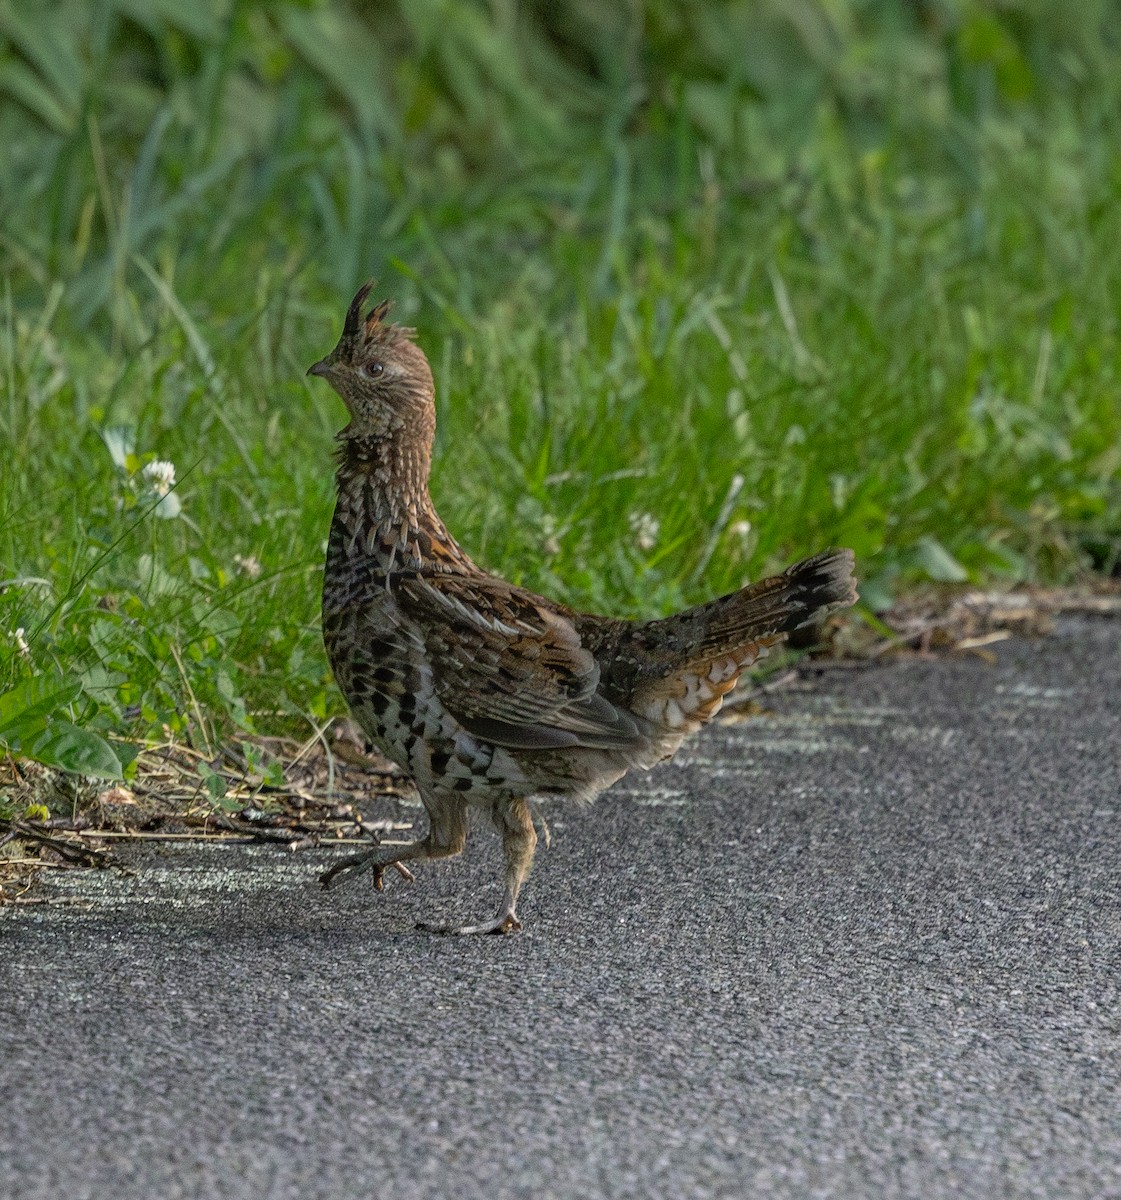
(358, 863)
(506, 922)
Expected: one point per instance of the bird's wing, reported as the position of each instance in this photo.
(510, 667)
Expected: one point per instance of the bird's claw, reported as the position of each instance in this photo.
(379, 874)
(505, 922)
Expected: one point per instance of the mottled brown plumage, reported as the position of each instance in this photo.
(485, 693)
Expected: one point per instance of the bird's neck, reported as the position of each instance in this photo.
(384, 515)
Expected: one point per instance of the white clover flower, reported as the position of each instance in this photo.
(645, 528)
(740, 529)
(19, 636)
(159, 476)
(248, 564)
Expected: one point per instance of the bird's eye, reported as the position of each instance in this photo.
(372, 369)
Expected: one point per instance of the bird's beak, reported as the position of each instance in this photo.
(322, 367)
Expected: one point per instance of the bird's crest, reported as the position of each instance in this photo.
(373, 317)
(356, 328)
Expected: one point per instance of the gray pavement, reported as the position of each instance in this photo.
(869, 945)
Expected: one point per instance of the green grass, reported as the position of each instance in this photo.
(795, 275)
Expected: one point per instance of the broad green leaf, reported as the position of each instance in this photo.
(215, 784)
(126, 753)
(154, 579)
(65, 745)
(31, 702)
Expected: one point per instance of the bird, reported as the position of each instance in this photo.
(488, 695)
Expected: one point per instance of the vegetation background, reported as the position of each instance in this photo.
(706, 285)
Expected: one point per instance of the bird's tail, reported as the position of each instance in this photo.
(704, 650)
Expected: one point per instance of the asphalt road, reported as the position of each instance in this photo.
(866, 946)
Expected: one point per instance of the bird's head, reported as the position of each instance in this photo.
(380, 372)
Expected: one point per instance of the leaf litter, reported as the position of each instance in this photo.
(263, 790)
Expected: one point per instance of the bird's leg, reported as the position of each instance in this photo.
(519, 840)
(447, 834)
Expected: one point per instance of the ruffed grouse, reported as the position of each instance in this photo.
(484, 693)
